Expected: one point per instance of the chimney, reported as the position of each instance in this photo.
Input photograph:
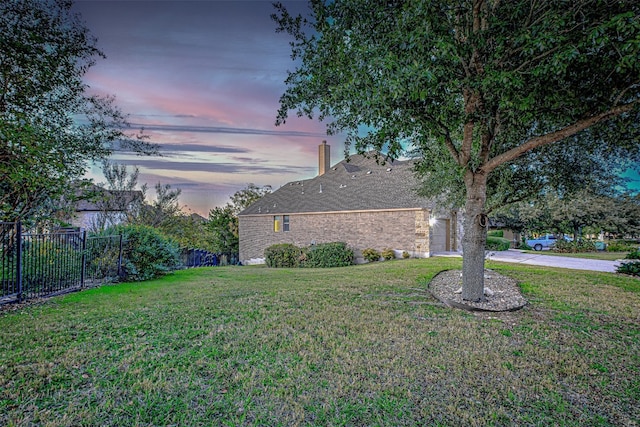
(324, 158)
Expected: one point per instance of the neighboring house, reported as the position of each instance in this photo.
(513, 236)
(357, 201)
(96, 205)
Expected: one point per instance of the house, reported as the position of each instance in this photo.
(96, 206)
(357, 201)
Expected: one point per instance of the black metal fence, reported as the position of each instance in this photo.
(202, 258)
(10, 259)
(37, 265)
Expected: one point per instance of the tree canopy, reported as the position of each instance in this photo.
(479, 88)
(50, 125)
(584, 212)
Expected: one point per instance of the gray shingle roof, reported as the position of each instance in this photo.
(359, 184)
(95, 198)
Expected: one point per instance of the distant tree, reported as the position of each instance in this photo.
(473, 86)
(223, 221)
(50, 128)
(616, 215)
(162, 211)
(630, 210)
(118, 177)
(247, 196)
(122, 201)
(223, 225)
(582, 209)
(190, 230)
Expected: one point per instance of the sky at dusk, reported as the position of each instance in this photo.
(203, 78)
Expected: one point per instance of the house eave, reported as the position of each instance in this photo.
(269, 214)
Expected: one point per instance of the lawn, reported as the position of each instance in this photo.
(354, 346)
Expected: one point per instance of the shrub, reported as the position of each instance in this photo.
(522, 244)
(630, 267)
(405, 254)
(335, 254)
(633, 255)
(497, 243)
(371, 255)
(283, 255)
(495, 233)
(388, 254)
(621, 246)
(146, 252)
(562, 246)
(102, 256)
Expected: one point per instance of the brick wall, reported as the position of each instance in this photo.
(401, 230)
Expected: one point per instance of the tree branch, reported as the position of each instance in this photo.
(451, 147)
(625, 90)
(447, 140)
(556, 136)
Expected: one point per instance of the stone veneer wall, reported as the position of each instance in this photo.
(401, 230)
(422, 234)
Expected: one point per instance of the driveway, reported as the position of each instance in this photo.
(516, 256)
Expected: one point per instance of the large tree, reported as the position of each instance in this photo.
(50, 126)
(472, 85)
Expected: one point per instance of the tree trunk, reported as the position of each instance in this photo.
(474, 238)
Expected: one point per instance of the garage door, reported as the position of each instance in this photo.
(440, 236)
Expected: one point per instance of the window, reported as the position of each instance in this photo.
(285, 223)
(276, 223)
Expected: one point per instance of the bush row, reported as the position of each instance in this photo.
(495, 233)
(335, 254)
(562, 246)
(372, 255)
(622, 245)
(497, 243)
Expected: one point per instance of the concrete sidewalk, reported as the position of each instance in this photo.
(516, 256)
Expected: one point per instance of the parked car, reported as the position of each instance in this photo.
(545, 241)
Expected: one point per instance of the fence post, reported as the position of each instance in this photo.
(83, 271)
(19, 259)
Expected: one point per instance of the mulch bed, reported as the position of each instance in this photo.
(445, 287)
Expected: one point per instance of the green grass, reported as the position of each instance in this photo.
(354, 346)
(607, 256)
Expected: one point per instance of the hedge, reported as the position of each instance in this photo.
(324, 255)
(283, 255)
(497, 243)
(335, 254)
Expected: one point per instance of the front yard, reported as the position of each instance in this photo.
(361, 345)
